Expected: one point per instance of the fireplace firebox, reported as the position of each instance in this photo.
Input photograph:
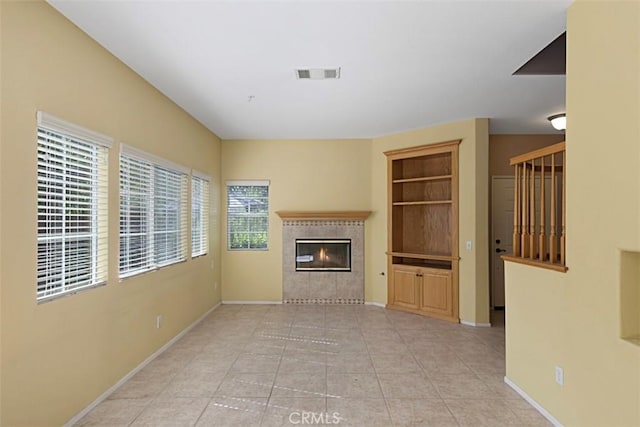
(323, 254)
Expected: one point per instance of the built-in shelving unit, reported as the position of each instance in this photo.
(423, 229)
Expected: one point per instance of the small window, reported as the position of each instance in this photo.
(247, 215)
(199, 215)
(72, 207)
(153, 212)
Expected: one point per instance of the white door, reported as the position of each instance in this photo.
(502, 193)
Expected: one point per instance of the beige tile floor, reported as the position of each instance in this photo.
(260, 365)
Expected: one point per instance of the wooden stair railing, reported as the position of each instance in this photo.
(539, 208)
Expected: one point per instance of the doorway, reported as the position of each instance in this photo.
(502, 194)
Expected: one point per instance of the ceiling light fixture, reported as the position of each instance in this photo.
(317, 73)
(558, 121)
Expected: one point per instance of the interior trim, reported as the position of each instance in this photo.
(475, 324)
(135, 370)
(533, 403)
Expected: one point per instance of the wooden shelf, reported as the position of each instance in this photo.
(430, 202)
(423, 256)
(421, 179)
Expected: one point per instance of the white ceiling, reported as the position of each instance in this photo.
(404, 64)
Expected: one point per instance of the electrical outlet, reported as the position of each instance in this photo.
(469, 245)
(559, 375)
(158, 321)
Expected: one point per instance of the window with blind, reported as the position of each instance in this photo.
(247, 215)
(199, 214)
(153, 212)
(72, 207)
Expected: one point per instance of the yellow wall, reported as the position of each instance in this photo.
(305, 175)
(573, 319)
(473, 223)
(351, 175)
(58, 356)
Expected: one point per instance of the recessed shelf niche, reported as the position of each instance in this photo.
(630, 296)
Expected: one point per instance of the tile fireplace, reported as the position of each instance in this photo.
(323, 257)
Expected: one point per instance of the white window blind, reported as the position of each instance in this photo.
(169, 216)
(72, 207)
(153, 212)
(136, 225)
(247, 215)
(199, 214)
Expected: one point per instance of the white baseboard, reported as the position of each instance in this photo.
(377, 304)
(474, 324)
(135, 370)
(533, 403)
(251, 302)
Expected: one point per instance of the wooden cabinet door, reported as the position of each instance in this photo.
(406, 287)
(436, 296)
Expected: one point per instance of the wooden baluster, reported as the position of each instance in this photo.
(516, 213)
(524, 212)
(552, 215)
(564, 207)
(523, 173)
(541, 237)
(532, 210)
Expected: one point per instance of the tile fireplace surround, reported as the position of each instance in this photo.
(323, 287)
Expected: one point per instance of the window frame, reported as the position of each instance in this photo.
(72, 165)
(230, 215)
(201, 207)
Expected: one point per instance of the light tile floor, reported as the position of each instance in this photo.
(260, 365)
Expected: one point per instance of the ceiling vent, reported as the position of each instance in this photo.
(318, 73)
